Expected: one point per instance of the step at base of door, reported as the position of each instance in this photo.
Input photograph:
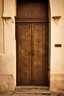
(32, 90)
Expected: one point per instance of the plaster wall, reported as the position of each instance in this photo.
(7, 46)
(57, 53)
(1, 29)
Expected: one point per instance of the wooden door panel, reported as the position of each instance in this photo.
(24, 53)
(38, 63)
(32, 44)
(32, 10)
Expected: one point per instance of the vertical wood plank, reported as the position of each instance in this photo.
(39, 65)
(24, 54)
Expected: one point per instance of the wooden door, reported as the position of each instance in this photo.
(31, 54)
(32, 43)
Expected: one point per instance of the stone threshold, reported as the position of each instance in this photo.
(32, 90)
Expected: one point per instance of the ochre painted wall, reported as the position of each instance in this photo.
(7, 46)
(57, 53)
(1, 29)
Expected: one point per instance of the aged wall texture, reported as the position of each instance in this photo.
(57, 53)
(8, 46)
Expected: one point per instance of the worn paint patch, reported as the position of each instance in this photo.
(57, 82)
(6, 82)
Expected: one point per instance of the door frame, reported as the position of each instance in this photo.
(49, 43)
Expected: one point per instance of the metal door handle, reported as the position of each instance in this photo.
(32, 52)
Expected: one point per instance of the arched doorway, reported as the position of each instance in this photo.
(32, 43)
